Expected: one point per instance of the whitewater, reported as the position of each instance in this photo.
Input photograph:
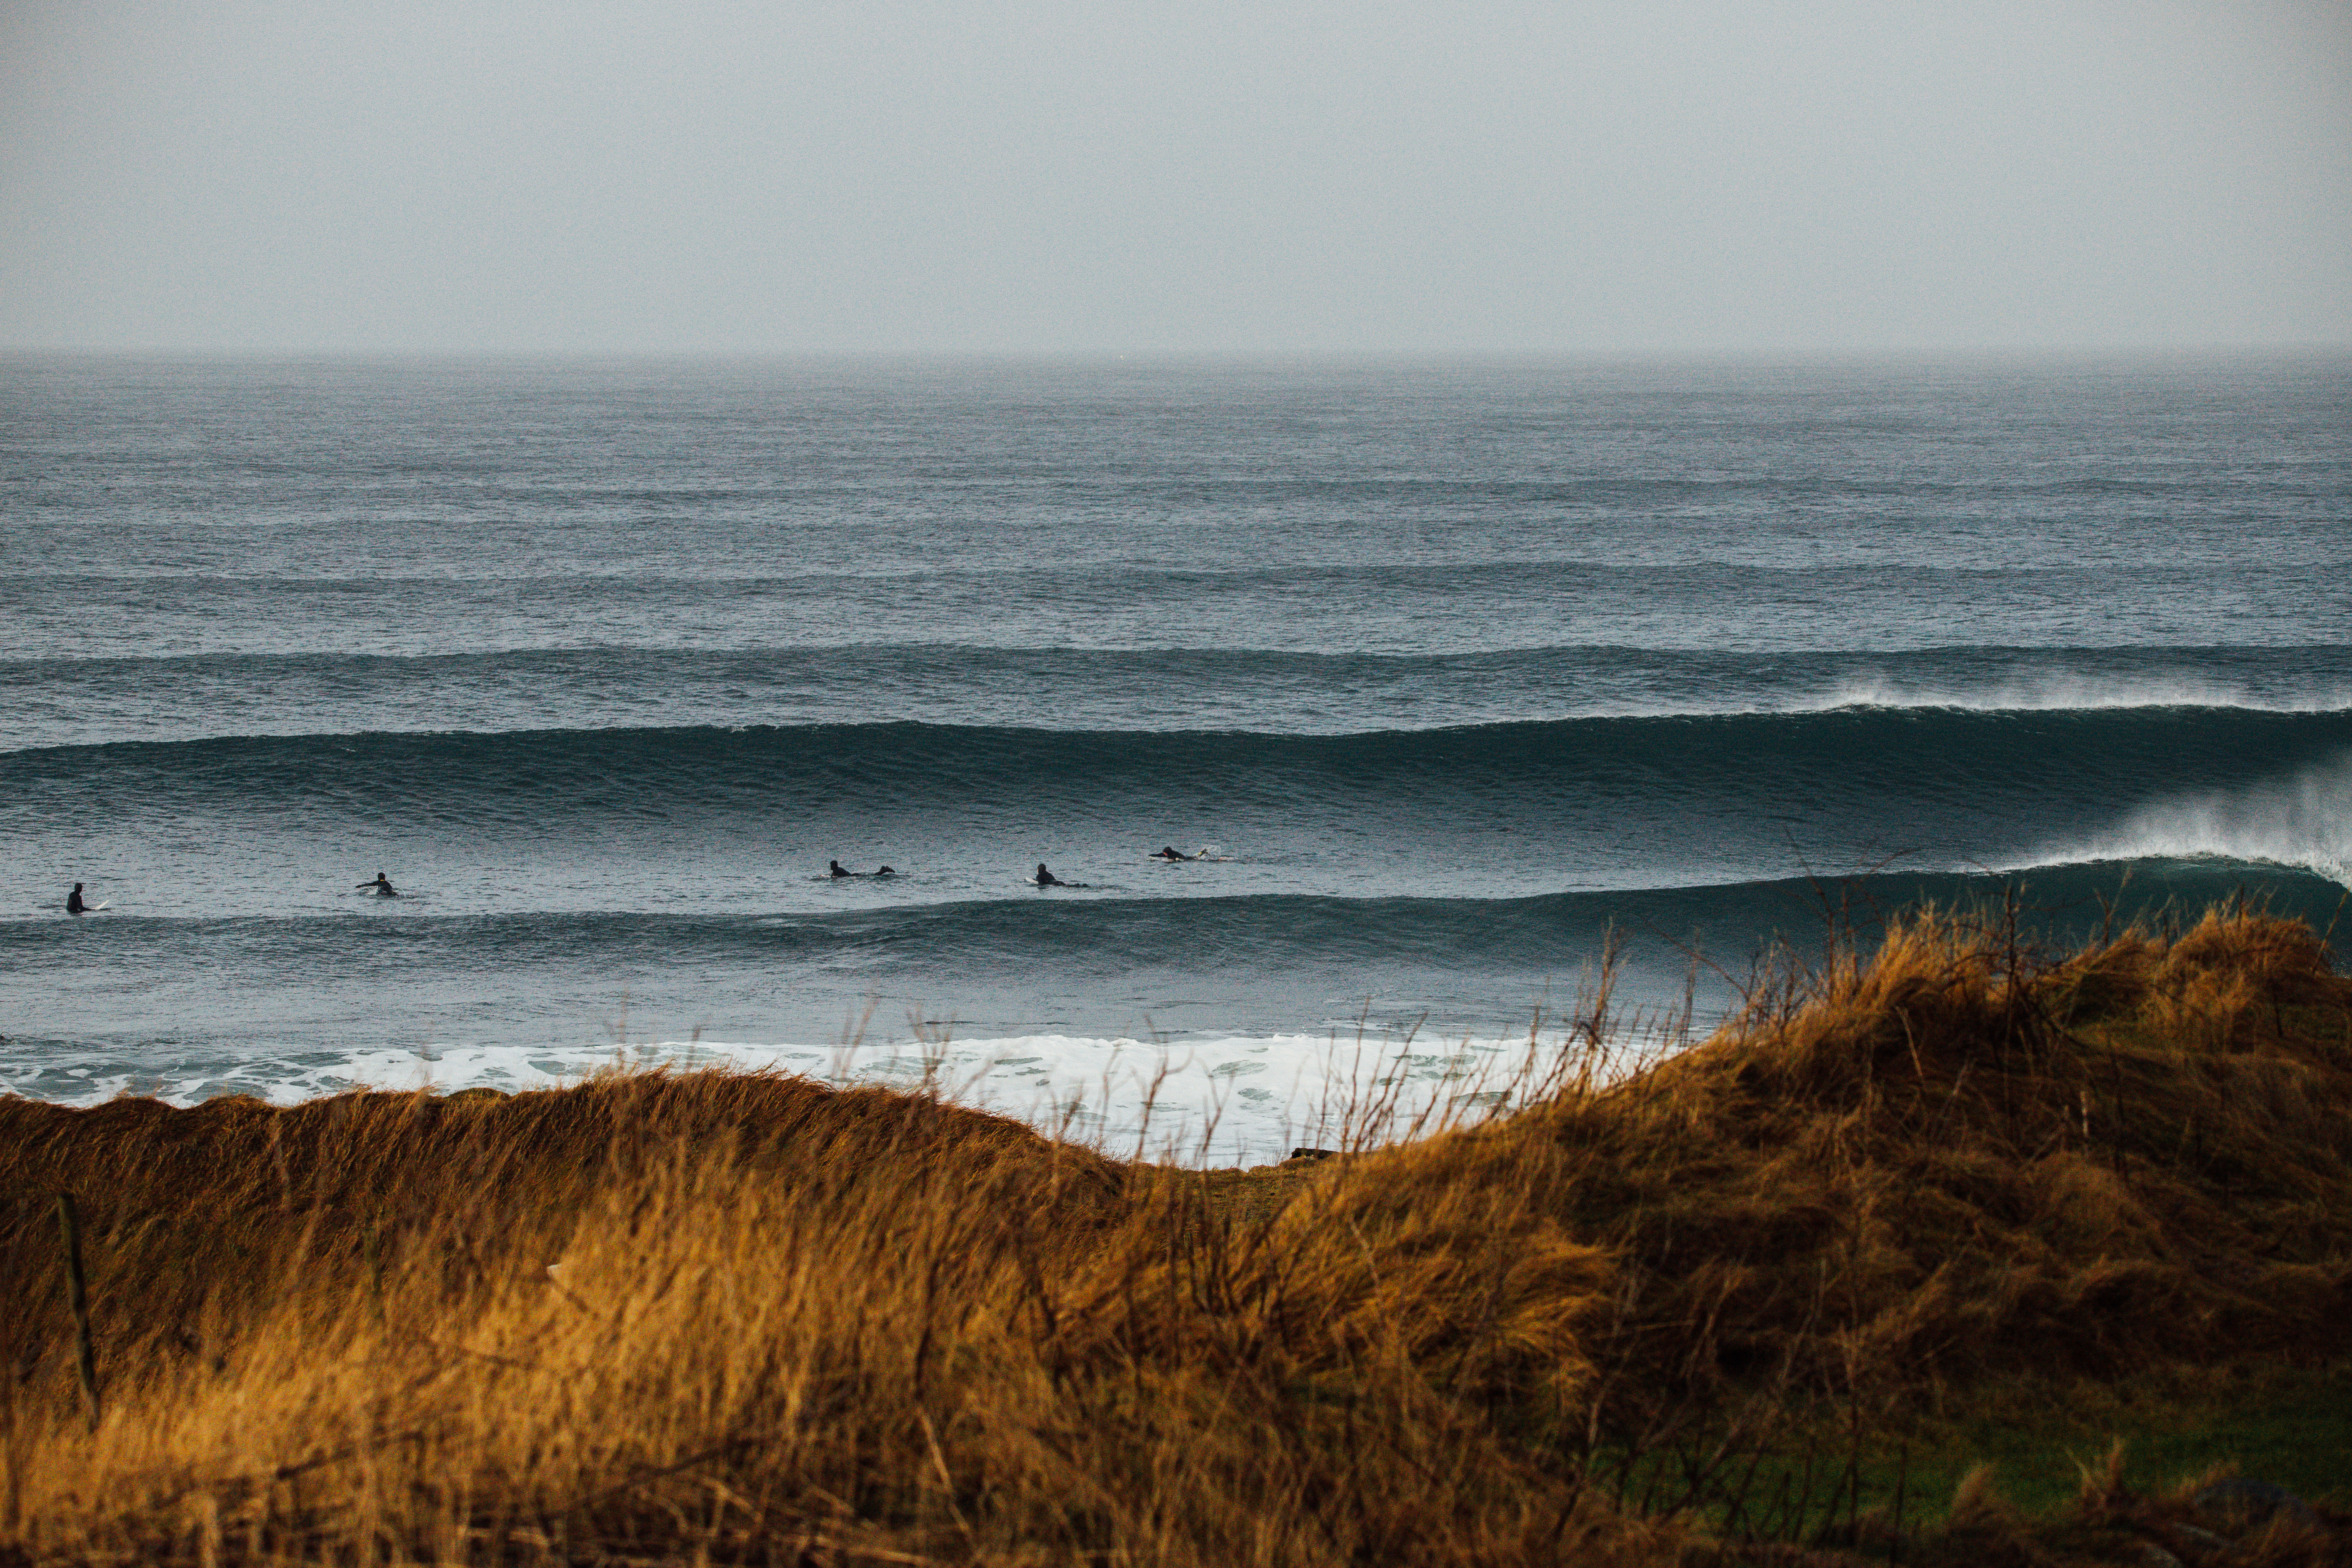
(1460, 673)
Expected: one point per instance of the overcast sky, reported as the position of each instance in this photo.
(1029, 176)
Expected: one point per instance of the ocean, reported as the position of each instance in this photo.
(1456, 672)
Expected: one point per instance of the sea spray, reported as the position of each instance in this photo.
(2300, 817)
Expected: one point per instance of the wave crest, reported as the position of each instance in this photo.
(2302, 819)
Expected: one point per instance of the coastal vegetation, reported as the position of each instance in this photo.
(1766, 1299)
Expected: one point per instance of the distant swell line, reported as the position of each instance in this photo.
(1686, 746)
(54, 701)
(1443, 579)
(2120, 662)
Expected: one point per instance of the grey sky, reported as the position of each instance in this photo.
(1028, 176)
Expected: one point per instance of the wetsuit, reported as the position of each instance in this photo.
(1046, 879)
(74, 906)
(382, 887)
(835, 866)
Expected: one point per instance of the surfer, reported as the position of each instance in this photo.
(74, 906)
(1169, 853)
(382, 887)
(1045, 878)
(837, 869)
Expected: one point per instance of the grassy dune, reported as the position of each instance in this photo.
(1754, 1303)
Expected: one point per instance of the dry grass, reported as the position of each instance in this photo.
(787, 1323)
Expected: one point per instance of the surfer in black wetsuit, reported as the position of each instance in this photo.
(1169, 854)
(74, 906)
(835, 867)
(1045, 878)
(382, 887)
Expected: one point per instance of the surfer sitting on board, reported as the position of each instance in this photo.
(74, 906)
(381, 885)
(1045, 878)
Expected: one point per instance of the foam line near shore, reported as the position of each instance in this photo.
(1217, 1100)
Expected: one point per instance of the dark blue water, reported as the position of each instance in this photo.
(1454, 670)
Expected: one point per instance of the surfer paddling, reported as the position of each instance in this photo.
(1171, 853)
(382, 887)
(835, 869)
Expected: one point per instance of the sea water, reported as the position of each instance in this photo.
(1458, 672)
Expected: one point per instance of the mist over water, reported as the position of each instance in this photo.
(1456, 670)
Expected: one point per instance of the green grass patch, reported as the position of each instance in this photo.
(2292, 1430)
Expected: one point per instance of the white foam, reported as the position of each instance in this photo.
(2064, 691)
(1223, 1100)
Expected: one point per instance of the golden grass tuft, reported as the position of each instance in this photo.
(746, 1318)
